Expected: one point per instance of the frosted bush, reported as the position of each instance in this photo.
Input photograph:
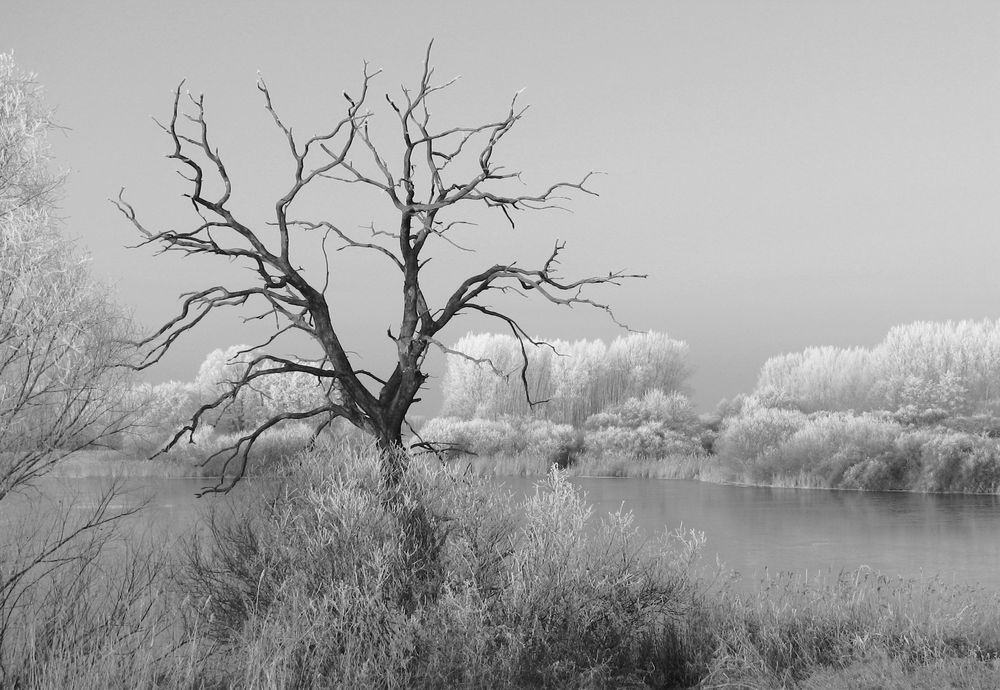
(547, 438)
(757, 431)
(480, 436)
(673, 410)
(164, 408)
(829, 444)
(649, 441)
(507, 436)
(959, 462)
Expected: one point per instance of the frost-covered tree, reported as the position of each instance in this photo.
(570, 380)
(265, 398)
(948, 367)
(61, 336)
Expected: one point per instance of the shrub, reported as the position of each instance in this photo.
(829, 444)
(82, 603)
(439, 582)
(673, 411)
(505, 436)
(649, 441)
(977, 425)
(656, 425)
(866, 451)
(959, 462)
(746, 440)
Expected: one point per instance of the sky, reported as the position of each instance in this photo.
(788, 174)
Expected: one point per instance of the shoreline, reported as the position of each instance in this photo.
(94, 464)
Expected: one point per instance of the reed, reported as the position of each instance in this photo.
(331, 579)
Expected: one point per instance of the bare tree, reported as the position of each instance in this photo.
(439, 172)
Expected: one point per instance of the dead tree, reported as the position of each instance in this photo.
(425, 195)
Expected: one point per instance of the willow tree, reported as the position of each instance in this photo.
(61, 335)
(435, 173)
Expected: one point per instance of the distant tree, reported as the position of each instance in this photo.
(61, 336)
(575, 379)
(437, 173)
(950, 368)
(267, 397)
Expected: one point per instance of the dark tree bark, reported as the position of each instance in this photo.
(421, 189)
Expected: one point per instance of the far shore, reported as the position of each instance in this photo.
(87, 464)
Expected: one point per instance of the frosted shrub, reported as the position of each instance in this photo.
(268, 396)
(746, 440)
(648, 441)
(338, 581)
(656, 425)
(546, 438)
(480, 436)
(959, 462)
(161, 411)
(829, 444)
(673, 410)
(506, 436)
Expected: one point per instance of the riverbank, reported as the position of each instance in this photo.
(335, 582)
(92, 464)
(203, 456)
(706, 468)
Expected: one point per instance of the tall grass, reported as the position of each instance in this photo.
(335, 580)
(440, 582)
(793, 626)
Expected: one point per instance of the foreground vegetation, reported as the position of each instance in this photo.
(334, 580)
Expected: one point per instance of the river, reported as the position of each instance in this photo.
(751, 529)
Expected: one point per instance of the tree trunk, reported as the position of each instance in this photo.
(394, 456)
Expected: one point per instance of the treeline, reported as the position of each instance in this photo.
(950, 367)
(574, 379)
(162, 409)
(917, 412)
(627, 399)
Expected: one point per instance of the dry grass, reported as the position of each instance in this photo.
(794, 628)
(185, 460)
(334, 580)
(441, 582)
(537, 465)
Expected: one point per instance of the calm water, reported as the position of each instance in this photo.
(956, 537)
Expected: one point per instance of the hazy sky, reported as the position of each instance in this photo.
(787, 173)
